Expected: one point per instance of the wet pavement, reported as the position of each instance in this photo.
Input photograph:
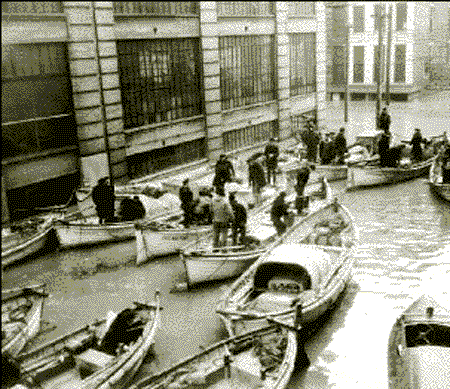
(403, 253)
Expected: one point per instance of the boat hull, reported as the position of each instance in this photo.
(435, 182)
(332, 172)
(368, 176)
(72, 234)
(28, 247)
(151, 243)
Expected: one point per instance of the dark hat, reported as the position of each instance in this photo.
(342, 129)
(185, 181)
(220, 192)
(232, 196)
(103, 179)
(222, 155)
(283, 194)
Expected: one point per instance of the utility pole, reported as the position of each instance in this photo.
(380, 67)
(388, 57)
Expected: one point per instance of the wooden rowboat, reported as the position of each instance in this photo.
(332, 172)
(21, 316)
(261, 359)
(419, 346)
(435, 182)
(87, 232)
(204, 263)
(30, 238)
(372, 175)
(104, 354)
(300, 276)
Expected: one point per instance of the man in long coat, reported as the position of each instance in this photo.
(256, 179)
(103, 198)
(272, 152)
(187, 203)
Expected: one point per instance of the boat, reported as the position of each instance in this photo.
(204, 263)
(419, 345)
(104, 354)
(21, 316)
(87, 231)
(165, 235)
(332, 172)
(435, 182)
(371, 175)
(264, 358)
(28, 237)
(300, 276)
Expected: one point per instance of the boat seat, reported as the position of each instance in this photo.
(92, 360)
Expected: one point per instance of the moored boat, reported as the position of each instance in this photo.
(30, 236)
(264, 358)
(104, 354)
(80, 232)
(435, 182)
(204, 263)
(332, 172)
(419, 345)
(21, 316)
(372, 175)
(300, 276)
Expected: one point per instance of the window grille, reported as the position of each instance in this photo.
(244, 8)
(160, 80)
(248, 136)
(37, 107)
(156, 8)
(303, 63)
(378, 12)
(153, 161)
(338, 66)
(358, 18)
(358, 64)
(246, 70)
(376, 64)
(400, 59)
(402, 9)
(302, 8)
(298, 122)
(31, 7)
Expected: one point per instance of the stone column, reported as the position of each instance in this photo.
(211, 77)
(282, 65)
(97, 100)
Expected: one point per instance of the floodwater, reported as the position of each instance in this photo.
(404, 235)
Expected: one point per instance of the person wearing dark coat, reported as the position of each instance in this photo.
(384, 121)
(302, 179)
(311, 139)
(383, 149)
(340, 145)
(416, 143)
(224, 173)
(445, 156)
(187, 203)
(271, 152)
(278, 212)
(256, 179)
(131, 209)
(238, 226)
(103, 197)
(329, 151)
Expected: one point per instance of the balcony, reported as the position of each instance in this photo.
(245, 9)
(156, 8)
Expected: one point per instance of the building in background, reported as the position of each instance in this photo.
(131, 89)
(410, 48)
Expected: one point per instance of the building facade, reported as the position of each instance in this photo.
(132, 89)
(409, 48)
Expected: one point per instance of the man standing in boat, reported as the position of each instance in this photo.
(272, 152)
(239, 224)
(278, 212)
(187, 203)
(383, 149)
(103, 198)
(384, 121)
(340, 146)
(416, 143)
(302, 179)
(222, 218)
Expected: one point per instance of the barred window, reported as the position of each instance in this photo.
(160, 80)
(402, 9)
(376, 62)
(156, 8)
(298, 122)
(244, 8)
(303, 63)
(358, 18)
(301, 8)
(358, 64)
(379, 9)
(32, 7)
(400, 63)
(246, 70)
(338, 66)
(248, 136)
(153, 161)
(37, 107)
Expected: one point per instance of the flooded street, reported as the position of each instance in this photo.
(403, 228)
(403, 252)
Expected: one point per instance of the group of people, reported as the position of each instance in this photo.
(104, 199)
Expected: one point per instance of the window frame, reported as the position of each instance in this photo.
(398, 64)
(358, 64)
(309, 43)
(363, 20)
(404, 18)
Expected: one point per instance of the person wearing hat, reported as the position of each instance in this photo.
(222, 218)
(256, 179)
(340, 146)
(187, 200)
(238, 227)
(279, 212)
(131, 209)
(272, 152)
(224, 173)
(301, 201)
(384, 121)
(416, 142)
(103, 198)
